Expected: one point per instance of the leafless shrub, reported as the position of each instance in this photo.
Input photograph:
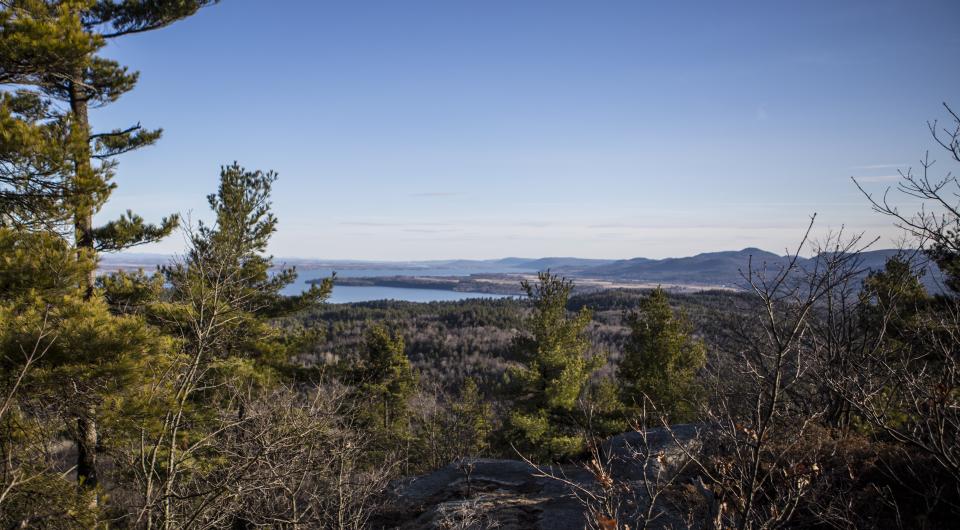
(764, 459)
(227, 447)
(467, 514)
(632, 484)
(907, 385)
(907, 388)
(293, 459)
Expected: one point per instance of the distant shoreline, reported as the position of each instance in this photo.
(505, 284)
(708, 271)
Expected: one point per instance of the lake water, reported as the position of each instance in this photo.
(345, 294)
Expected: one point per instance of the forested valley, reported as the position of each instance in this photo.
(450, 342)
(198, 396)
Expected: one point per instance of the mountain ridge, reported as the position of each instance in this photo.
(721, 268)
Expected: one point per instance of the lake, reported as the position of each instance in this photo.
(345, 294)
(350, 269)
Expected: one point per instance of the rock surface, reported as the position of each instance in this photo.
(666, 449)
(487, 493)
(481, 493)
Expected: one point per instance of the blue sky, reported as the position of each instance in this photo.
(455, 129)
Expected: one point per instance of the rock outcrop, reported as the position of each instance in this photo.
(667, 449)
(487, 493)
(510, 494)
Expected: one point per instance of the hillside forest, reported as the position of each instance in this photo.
(196, 395)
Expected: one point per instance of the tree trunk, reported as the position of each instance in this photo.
(83, 226)
(87, 450)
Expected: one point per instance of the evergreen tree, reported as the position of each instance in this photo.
(39, 43)
(661, 359)
(471, 421)
(451, 427)
(224, 303)
(555, 371)
(896, 285)
(228, 259)
(32, 160)
(61, 355)
(895, 300)
(385, 381)
(57, 165)
(605, 413)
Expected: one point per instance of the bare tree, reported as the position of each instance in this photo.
(909, 386)
(763, 459)
(935, 226)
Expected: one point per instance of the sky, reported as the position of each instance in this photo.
(422, 130)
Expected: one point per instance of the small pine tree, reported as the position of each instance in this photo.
(604, 412)
(471, 421)
(231, 255)
(385, 382)
(545, 422)
(895, 300)
(897, 285)
(661, 359)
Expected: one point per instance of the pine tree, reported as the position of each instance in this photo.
(65, 355)
(451, 427)
(39, 43)
(471, 421)
(661, 359)
(32, 162)
(58, 166)
(555, 371)
(230, 256)
(605, 413)
(224, 302)
(385, 382)
(894, 299)
(898, 284)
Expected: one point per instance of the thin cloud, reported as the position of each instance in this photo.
(406, 226)
(797, 204)
(697, 226)
(880, 166)
(365, 223)
(878, 178)
(436, 194)
(615, 225)
(534, 224)
(430, 230)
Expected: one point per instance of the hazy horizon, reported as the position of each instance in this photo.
(435, 130)
(135, 252)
